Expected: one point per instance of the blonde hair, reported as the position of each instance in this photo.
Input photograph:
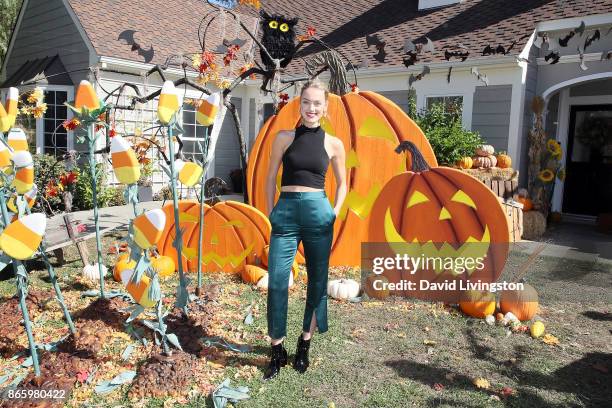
(315, 83)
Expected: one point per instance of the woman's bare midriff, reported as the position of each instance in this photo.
(299, 188)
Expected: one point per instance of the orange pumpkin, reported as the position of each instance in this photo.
(439, 212)
(164, 265)
(370, 126)
(522, 303)
(504, 161)
(465, 163)
(234, 233)
(376, 290)
(123, 263)
(252, 273)
(477, 304)
(527, 203)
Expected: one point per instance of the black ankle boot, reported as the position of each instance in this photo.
(300, 363)
(278, 359)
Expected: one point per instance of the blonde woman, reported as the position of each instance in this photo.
(304, 214)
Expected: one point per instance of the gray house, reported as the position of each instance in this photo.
(64, 41)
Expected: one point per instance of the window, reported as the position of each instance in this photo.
(55, 141)
(194, 132)
(450, 104)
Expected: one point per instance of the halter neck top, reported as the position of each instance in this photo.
(305, 161)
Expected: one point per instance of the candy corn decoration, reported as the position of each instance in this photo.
(24, 172)
(189, 173)
(86, 97)
(148, 228)
(139, 291)
(5, 156)
(22, 237)
(208, 110)
(125, 163)
(17, 140)
(8, 111)
(168, 103)
(29, 196)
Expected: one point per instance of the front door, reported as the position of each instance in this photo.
(588, 182)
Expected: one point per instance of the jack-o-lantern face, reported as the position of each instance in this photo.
(441, 213)
(234, 233)
(369, 126)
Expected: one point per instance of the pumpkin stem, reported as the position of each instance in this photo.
(419, 163)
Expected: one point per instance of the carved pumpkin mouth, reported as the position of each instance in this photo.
(472, 247)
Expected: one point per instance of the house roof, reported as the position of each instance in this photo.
(473, 23)
(49, 70)
(169, 26)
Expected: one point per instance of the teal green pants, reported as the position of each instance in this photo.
(307, 217)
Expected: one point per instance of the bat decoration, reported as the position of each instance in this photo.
(379, 43)
(222, 48)
(414, 78)
(606, 55)
(563, 41)
(410, 59)
(448, 76)
(462, 55)
(580, 29)
(590, 40)
(374, 39)
(381, 53)
(481, 77)
(488, 50)
(553, 56)
(128, 36)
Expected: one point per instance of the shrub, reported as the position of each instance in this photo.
(48, 169)
(448, 139)
(83, 198)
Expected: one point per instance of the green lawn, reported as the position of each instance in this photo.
(395, 353)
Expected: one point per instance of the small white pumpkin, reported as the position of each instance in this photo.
(263, 282)
(91, 272)
(485, 150)
(343, 288)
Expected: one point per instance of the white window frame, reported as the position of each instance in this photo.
(40, 125)
(194, 94)
(466, 104)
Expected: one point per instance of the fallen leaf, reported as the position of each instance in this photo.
(438, 387)
(506, 392)
(429, 342)
(495, 397)
(550, 339)
(481, 382)
(82, 376)
(450, 376)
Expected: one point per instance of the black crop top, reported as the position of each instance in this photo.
(305, 161)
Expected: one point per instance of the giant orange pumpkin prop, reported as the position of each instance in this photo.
(370, 126)
(441, 213)
(234, 235)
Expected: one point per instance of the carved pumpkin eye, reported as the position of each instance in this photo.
(417, 198)
(461, 197)
(284, 27)
(273, 24)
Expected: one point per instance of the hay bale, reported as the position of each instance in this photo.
(534, 225)
(493, 173)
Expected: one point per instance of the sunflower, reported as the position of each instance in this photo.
(553, 147)
(561, 174)
(546, 175)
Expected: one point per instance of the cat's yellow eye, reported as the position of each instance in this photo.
(284, 27)
(273, 24)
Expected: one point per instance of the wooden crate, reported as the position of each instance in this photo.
(514, 214)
